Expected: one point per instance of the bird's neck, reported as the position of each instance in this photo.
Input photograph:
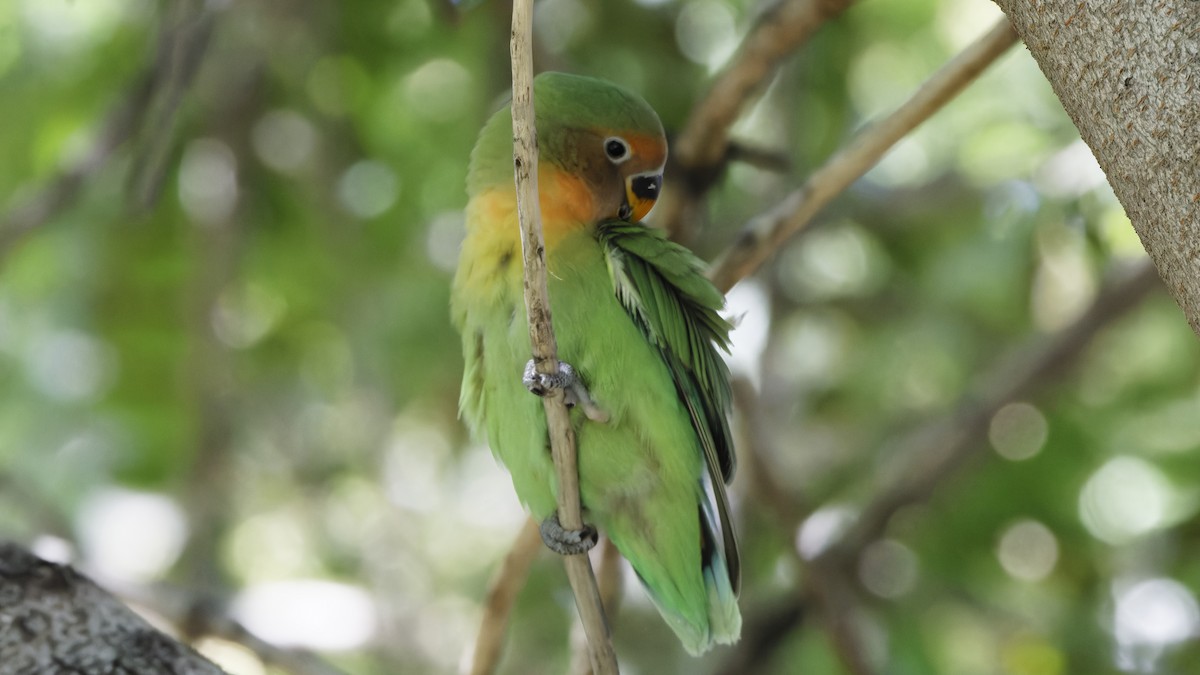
(567, 207)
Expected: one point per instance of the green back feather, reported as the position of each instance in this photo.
(662, 287)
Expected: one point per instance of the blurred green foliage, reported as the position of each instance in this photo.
(265, 348)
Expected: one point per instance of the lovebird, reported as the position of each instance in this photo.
(638, 335)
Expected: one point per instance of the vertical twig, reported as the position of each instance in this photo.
(502, 593)
(541, 335)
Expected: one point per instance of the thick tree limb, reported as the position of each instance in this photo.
(1128, 75)
(763, 235)
(55, 620)
(541, 334)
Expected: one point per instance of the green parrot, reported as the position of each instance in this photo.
(638, 331)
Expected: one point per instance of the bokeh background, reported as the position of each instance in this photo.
(227, 231)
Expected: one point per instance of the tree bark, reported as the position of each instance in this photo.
(1128, 74)
(55, 620)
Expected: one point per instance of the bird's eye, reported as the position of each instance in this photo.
(616, 149)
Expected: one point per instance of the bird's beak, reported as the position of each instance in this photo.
(641, 191)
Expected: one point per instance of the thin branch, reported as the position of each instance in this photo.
(932, 454)
(825, 586)
(763, 235)
(701, 148)
(830, 589)
(501, 596)
(122, 124)
(787, 507)
(778, 31)
(541, 335)
(609, 579)
(180, 58)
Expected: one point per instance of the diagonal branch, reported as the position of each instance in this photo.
(943, 447)
(701, 147)
(541, 334)
(763, 235)
(935, 452)
(502, 594)
(122, 125)
(777, 32)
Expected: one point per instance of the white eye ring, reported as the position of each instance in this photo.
(616, 149)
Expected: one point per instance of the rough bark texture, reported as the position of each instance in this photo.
(55, 620)
(1128, 73)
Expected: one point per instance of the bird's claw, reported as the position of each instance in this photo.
(567, 542)
(540, 384)
(575, 394)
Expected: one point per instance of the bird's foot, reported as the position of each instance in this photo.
(565, 379)
(567, 542)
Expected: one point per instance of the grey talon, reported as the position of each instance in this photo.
(567, 542)
(575, 393)
(541, 383)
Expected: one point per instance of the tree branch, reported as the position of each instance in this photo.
(608, 578)
(122, 124)
(763, 235)
(1126, 74)
(931, 454)
(502, 595)
(778, 31)
(55, 620)
(701, 149)
(541, 335)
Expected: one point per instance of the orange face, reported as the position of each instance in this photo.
(639, 159)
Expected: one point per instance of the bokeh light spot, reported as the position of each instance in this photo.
(208, 187)
(438, 90)
(888, 568)
(1124, 499)
(821, 529)
(284, 140)
(558, 22)
(245, 314)
(706, 33)
(1027, 550)
(368, 189)
(1148, 616)
(134, 536)
(747, 306)
(69, 366)
(311, 613)
(1018, 431)
(444, 238)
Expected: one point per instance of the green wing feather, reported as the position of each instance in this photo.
(663, 288)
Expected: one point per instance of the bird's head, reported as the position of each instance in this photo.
(606, 135)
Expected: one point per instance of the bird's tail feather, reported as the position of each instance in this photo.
(722, 622)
